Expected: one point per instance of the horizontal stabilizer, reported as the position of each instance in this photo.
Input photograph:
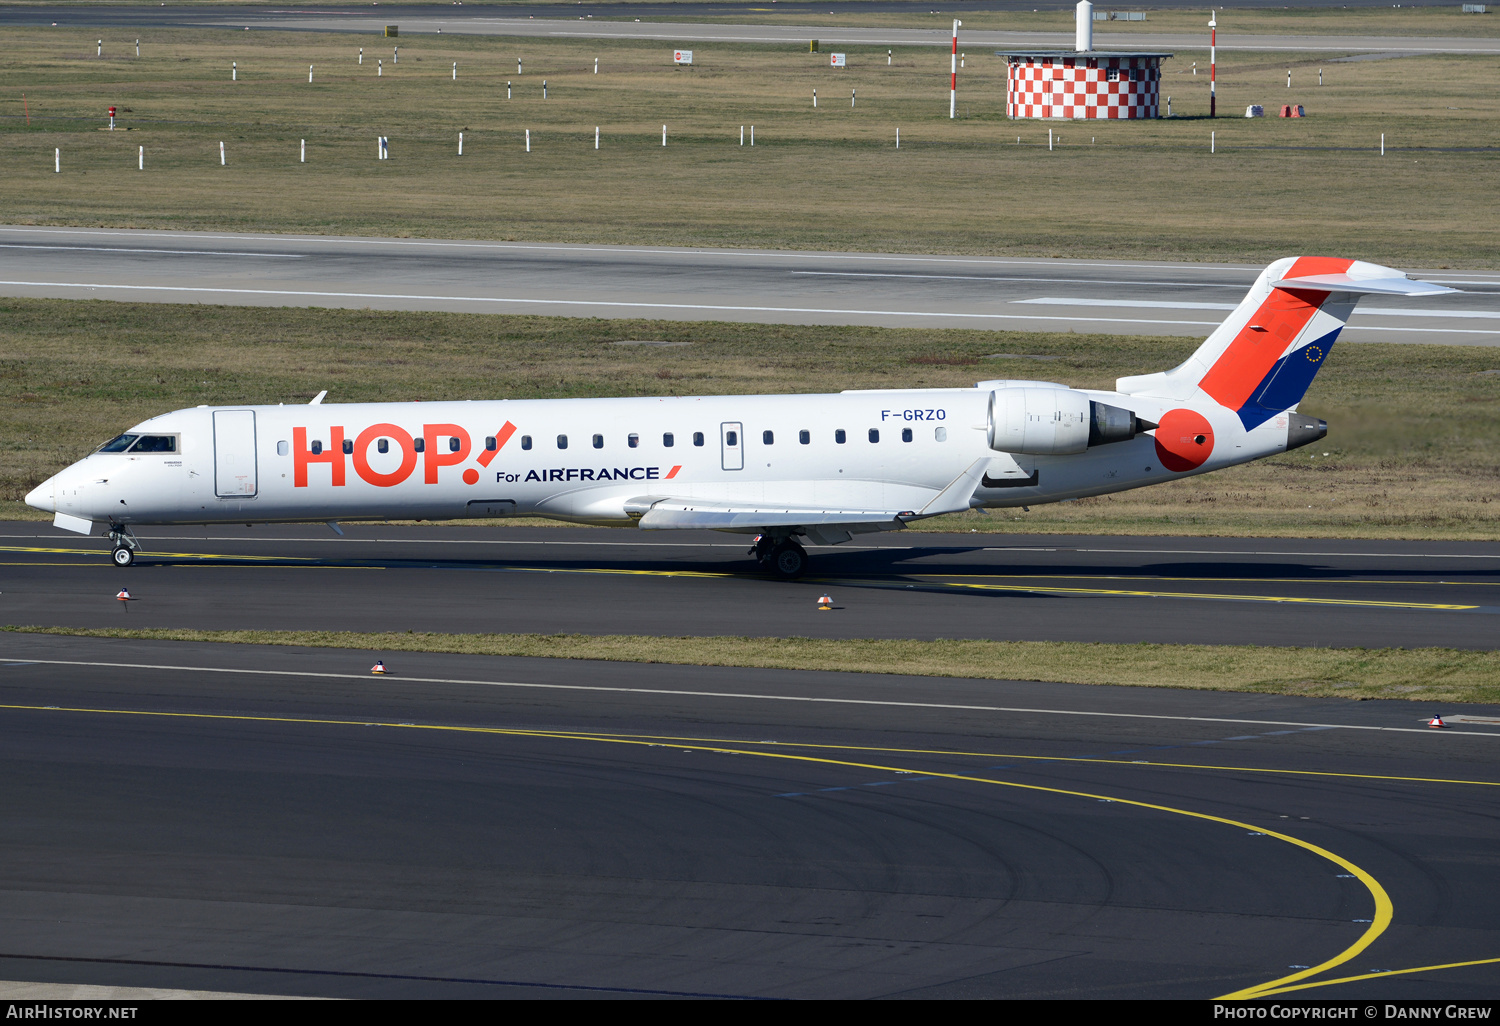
(1369, 286)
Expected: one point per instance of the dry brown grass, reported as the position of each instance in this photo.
(824, 179)
(1425, 675)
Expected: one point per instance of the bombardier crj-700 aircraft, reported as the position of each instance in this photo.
(781, 467)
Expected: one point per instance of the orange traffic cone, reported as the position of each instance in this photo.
(124, 597)
(1436, 721)
(379, 666)
(825, 602)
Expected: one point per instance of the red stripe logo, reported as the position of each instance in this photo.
(500, 440)
(673, 472)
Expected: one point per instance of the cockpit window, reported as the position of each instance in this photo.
(117, 444)
(155, 443)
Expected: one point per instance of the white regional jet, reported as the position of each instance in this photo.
(781, 467)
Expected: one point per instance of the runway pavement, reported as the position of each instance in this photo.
(786, 287)
(908, 585)
(238, 819)
(562, 21)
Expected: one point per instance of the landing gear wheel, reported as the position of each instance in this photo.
(789, 561)
(123, 555)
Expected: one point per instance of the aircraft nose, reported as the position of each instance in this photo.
(42, 497)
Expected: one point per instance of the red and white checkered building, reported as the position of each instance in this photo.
(1073, 84)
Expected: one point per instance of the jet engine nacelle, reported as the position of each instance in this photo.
(1055, 421)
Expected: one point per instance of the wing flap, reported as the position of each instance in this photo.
(677, 514)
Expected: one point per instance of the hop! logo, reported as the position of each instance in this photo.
(387, 470)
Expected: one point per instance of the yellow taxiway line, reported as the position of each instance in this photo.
(1384, 909)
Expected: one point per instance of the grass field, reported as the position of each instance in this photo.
(829, 178)
(1419, 675)
(1413, 447)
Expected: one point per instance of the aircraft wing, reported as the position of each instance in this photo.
(670, 513)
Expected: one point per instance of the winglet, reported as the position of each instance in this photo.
(955, 498)
(317, 400)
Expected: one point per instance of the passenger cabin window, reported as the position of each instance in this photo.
(731, 438)
(316, 447)
(562, 441)
(767, 438)
(119, 443)
(633, 440)
(384, 445)
(453, 444)
(419, 444)
(666, 440)
(155, 443)
(281, 448)
(348, 446)
(697, 437)
(941, 434)
(839, 436)
(906, 434)
(526, 441)
(598, 441)
(804, 437)
(874, 434)
(489, 444)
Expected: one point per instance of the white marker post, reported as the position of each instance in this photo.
(507, 90)
(596, 65)
(815, 99)
(460, 144)
(380, 69)
(455, 71)
(234, 71)
(138, 53)
(1213, 142)
(851, 97)
(898, 138)
(663, 135)
(221, 152)
(302, 158)
(596, 137)
(395, 55)
(1320, 77)
(1288, 78)
(101, 49)
(888, 58)
(361, 55)
(1049, 140)
(309, 74)
(752, 135)
(518, 65)
(544, 88)
(528, 140)
(953, 88)
(57, 161)
(1382, 144)
(742, 135)
(141, 159)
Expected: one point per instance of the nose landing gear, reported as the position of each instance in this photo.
(125, 544)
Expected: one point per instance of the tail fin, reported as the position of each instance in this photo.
(1260, 361)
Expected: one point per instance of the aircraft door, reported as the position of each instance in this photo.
(732, 439)
(234, 454)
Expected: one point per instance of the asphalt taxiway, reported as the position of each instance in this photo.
(276, 820)
(902, 585)
(762, 286)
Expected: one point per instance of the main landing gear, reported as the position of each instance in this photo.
(781, 556)
(125, 544)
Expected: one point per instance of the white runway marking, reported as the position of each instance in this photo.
(1049, 281)
(811, 700)
(1155, 304)
(148, 249)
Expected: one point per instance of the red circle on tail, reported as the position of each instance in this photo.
(1184, 440)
